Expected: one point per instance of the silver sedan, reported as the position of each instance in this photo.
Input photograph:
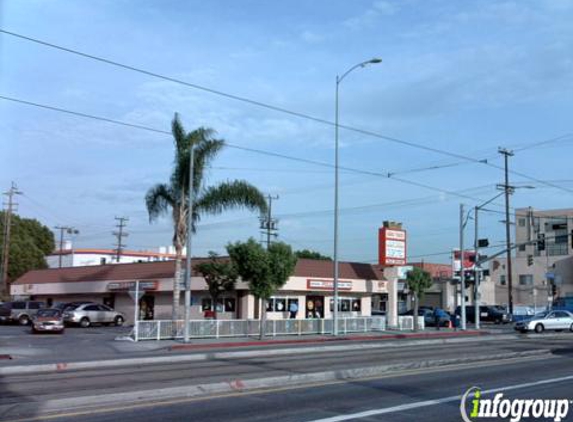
(549, 320)
(87, 314)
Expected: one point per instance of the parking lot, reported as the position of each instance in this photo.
(75, 344)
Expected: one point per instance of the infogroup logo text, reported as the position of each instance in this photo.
(513, 410)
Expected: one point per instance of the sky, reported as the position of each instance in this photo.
(457, 81)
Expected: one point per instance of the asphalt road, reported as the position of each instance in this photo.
(379, 398)
(302, 404)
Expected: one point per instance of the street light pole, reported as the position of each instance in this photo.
(336, 117)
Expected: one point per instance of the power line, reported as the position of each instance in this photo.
(233, 96)
(264, 105)
(254, 150)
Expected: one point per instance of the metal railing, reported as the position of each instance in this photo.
(165, 329)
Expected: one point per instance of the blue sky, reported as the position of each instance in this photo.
(464, 77)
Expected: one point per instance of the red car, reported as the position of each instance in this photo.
(48, 320)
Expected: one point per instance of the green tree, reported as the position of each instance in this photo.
(172, 196)
(418, 282)
(265, 270)
(220, 276)
(30, 242)
(309, 254)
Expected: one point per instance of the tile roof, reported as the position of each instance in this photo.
(166, 269)
(436, 270)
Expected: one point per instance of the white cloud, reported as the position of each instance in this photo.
(376, 11)
(311, 37)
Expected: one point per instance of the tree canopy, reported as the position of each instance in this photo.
(310, 254)
(220, 276)
(30, 242)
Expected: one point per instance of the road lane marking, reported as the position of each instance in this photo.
(427, 403)
(420, 371)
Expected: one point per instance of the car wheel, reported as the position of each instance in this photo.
(571, 328)
(118, 321)
(24, 320)
(84, 322)
(539, 328)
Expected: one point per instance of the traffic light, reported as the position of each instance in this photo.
(483, 243)
(541, 242)
(529, 260)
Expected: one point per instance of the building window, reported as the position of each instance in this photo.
(525, 280)
(521, 222)
(502, 279)
(280, 304)
(522, 248)
(226, 304)
(347, 305)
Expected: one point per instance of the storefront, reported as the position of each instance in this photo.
(307, 294)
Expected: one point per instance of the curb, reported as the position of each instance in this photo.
(381, 337)
(244, 354)
(238, 385)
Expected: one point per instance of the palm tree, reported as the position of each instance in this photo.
(172, 196)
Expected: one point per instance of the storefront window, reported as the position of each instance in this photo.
(271, 305)
(223, 304)
(206, 304)
(230, 304)
(280, 305)
(356, 305)
(347, 305)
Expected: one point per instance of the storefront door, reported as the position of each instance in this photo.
(314, 307)
(146, 308)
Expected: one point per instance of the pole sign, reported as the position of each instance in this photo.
(391, 247)
(469, 263)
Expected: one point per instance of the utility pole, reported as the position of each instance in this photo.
(64, 229)
(4, 287)
(477, 276)
(268, 223)
(120, 234)
(508, 190)
(462, 272)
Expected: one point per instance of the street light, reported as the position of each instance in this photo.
(338, 81)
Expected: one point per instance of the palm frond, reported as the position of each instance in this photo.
(229, 195)
(158, 200)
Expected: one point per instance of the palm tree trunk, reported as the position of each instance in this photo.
(415, 313)
(176, 288)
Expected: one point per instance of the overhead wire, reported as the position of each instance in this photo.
(265, 105)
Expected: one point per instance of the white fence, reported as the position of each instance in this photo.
(163, 330)
(407, 323)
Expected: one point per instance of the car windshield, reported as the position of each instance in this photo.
(541, 314)
(49, 313)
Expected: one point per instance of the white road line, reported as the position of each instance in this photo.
(427, 403)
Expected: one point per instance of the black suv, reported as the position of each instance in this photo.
(495, 313)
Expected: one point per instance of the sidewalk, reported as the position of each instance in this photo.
(99, 345)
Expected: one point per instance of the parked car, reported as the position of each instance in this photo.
(64, 306)
(48, 320)
(548, 320)
(522, 312)
(87, 314)
(22, 311)
(496, 314)
(5, 313)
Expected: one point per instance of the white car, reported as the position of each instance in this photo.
(548, 320)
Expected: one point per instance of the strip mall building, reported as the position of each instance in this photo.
(361, 287)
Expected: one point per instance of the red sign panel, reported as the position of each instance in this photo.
(313, 284)
(391, 246)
